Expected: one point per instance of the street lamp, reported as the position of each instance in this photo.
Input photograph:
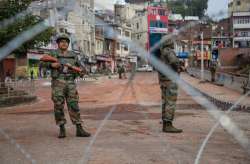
(202, 58)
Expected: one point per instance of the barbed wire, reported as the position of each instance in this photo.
(14, 44)
(18, 146)
(243, 140)
(221, 120)
(34, 7)
(164, 69)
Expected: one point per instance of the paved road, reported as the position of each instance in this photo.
(131, 136)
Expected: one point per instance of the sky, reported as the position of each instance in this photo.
(214, 6)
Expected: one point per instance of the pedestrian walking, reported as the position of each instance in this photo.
(8, 77)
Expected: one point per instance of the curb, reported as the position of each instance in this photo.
(16, 100)
(223, 105)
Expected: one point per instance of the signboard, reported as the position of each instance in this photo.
(207, 55)
(158, 30)
(157, 24)
(215, 54)
(132, 59)
(103, 58)
(204, 42)
(182, 55)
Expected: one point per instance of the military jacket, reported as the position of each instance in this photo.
(168, 57)
(64, 72)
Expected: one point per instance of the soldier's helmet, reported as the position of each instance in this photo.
(62, 37)
(168, 43)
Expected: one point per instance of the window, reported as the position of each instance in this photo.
(238, 3)
(118, 46)
(127, 33)
(137, 25)
(128, 25)
(159, 24)
(61, 30)
(126, 47)
(138, 37)
(119, 31)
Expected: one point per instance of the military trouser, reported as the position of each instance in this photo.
(169, 97)
(213, 76)
(63, 90)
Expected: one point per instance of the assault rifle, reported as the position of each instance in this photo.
(48, 58)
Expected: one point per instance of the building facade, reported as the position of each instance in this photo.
(241, 29)
(238, 5)
(82, 17)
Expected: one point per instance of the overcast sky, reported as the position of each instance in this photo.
(214, 6)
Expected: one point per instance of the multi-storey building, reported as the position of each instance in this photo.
(238, 5)
(82, 17)
(124, 14)
(241, 29)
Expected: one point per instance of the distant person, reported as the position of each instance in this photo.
(213, 68)
(32, 74)
(8, 77)
(124, 72)
(120, 71)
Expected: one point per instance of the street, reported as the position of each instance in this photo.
(132, 135)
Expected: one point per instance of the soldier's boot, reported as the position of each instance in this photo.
(62, 133)
(169, 128)
(80, 132)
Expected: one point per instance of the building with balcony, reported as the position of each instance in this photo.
(241, 29)
(82, 17)
(238, 5)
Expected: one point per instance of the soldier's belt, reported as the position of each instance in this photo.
(66, 77)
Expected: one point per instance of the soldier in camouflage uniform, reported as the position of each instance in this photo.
(64, 87)
(169, 89)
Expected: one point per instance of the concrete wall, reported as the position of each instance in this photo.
(140, 34)
(229, 81)
(228, 56)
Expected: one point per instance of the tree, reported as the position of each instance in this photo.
(188, 7)
(8, 9)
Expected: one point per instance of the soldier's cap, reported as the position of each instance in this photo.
(62, 37)
(169, 42)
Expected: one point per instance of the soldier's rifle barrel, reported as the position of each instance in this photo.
(48, 58)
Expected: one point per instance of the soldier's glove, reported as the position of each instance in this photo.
(55, 65)
(83, 72)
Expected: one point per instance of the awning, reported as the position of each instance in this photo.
(103, 58)
(242, 39)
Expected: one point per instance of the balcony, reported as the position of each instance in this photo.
(242, 38)
(241, 26)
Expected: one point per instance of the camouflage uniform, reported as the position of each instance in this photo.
(169, 89)
(64, 89)
(213, 68)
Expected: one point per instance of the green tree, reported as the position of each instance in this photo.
(8, 9)
(188, 7)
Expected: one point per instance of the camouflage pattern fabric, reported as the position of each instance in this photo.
(169, 89)
(213, 68)
(64, 89)
(169, 97)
